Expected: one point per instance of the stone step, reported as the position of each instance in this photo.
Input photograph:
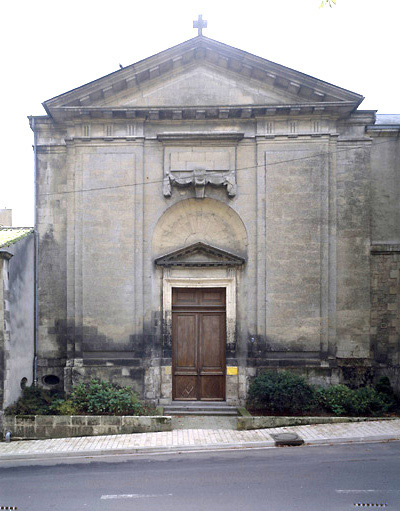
(216, 413)
(200, 408)
(201, 404)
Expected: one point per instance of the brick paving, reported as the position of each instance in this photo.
(186, 439)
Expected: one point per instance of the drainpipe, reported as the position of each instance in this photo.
(35, 264)
(35, 322)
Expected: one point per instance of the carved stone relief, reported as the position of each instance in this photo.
(199, 166)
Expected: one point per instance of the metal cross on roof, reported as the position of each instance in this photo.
(200, 24)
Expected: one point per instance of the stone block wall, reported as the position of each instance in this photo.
(385, 311)
(65, 426)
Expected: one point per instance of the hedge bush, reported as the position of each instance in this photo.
(287, 393)
(103, 398)
(93, 398)
(365, 401)
(34, 401)
(280, 392)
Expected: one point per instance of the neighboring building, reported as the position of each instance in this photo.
(205, 213)
(16, 311)
(6, 217)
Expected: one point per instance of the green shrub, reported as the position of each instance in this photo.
(280, 392)
(103, 398)
(370, 402)
(337, 399)
(34, 401)
(287, 393)
(384, 386)
(93, 398)
(341, 400)
(63, 407)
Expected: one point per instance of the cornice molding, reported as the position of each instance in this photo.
(338, 109)
(201, 136)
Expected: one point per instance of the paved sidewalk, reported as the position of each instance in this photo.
(196, 439)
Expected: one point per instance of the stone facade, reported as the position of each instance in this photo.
(204, 143)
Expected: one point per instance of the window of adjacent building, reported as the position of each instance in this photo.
(293, 125)
(86, 130)
(109, 130)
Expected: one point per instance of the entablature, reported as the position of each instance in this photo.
(336, 108)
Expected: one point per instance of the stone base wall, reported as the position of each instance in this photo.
(64, 426)
(154, 383)
(352, 372)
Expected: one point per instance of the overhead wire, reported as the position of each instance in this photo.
(266, 164)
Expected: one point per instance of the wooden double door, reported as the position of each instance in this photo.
(199, 338)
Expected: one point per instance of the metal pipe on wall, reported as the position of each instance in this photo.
(35, 264)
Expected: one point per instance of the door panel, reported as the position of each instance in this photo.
(211, 347)
(186, 387)
(199, 331)
(212, 386)
(215, 296)
(184, 333)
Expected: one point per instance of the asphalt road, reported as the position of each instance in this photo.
(329, 478)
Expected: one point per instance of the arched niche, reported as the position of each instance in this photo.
(209, 221)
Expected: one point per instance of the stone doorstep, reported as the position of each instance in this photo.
(202, 408)
(201, 413)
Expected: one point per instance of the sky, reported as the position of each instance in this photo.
(51, 47)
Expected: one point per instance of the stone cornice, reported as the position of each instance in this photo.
(383, 130)
(201, 136)
(334, 108)
(384, 248)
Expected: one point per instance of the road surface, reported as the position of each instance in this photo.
(325, 478)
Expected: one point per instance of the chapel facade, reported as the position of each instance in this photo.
(206, 213)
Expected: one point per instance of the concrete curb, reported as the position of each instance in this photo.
(138, 450)
(189, 448)
(345, 440)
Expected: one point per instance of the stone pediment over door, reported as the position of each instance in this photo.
(199, 255)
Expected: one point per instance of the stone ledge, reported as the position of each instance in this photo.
(35, 427)
(385, 248)
(263, 422)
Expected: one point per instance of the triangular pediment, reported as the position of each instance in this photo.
(200, 255)
(199, 85)
(199, 72)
